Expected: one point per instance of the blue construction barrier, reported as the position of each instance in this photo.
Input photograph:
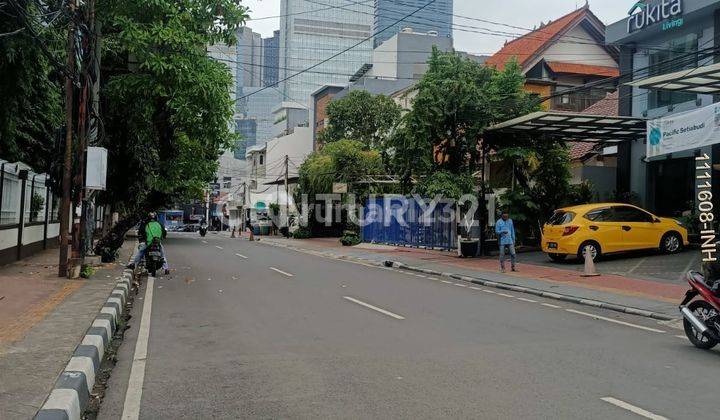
(402, 221)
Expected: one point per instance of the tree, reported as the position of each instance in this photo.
(166, 105)
(341, 161)
(456, 100)
(361, 116)
(30, 84)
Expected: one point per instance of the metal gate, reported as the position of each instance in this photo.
(402, 221)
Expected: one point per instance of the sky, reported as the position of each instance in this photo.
(522, 13)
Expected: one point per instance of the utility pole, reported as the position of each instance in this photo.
(67, 161)
(287, 197)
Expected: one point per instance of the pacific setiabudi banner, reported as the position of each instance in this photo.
(686, 131)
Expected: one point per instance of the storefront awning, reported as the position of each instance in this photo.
(703, 80)
(573, 127)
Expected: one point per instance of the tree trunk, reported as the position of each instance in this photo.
(109, 244)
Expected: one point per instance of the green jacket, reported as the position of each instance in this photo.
(153, 229)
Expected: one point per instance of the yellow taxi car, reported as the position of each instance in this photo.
(608, 228)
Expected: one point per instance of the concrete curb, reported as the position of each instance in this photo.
(538, 292)
(72, 391)
(495, 284)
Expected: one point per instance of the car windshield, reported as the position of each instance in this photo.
(561, 217)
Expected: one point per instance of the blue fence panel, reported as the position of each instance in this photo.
(401, 221)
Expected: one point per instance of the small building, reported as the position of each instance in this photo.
(561, 54)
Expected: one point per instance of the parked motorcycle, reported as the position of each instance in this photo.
(203, 229)
(153, 258)
(701, 317)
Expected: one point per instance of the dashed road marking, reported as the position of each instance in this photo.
(615, 321)
(281, 272)
(204, 242)
(460, 284)
(218, 247)
(505, 295)
(446, 282)
(375, 308)
(633, 409)
(475, 288)
(492, 292)
(421, 275)
(241, 256)
(550, 305)
(527, 300)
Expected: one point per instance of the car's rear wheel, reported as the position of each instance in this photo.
(671, 243)
(593, 247)
(557, 257)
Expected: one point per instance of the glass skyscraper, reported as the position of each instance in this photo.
(435, 17)
(311, 33)
(271, 59)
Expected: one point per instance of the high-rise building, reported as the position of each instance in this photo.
(249, 63)
(436, 17)
(307, 39)
(271, 59)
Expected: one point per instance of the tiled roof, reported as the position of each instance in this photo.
(606, 106)
(587, 69)
(529, 44)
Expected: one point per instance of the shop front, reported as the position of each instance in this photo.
(657, 39)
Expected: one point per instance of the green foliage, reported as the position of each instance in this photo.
(363, 117)
(456, 100)
(30, 86)
(36, 203)
(445, 184)
(167, 110)
(582, 193)
(349, 238)
(302, 233)
(86, 271)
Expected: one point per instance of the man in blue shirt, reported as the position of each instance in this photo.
(506, 238)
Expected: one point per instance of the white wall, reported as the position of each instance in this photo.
(573, 50)
(297, 146)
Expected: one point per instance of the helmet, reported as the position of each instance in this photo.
(152, 215)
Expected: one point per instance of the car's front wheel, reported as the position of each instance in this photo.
(671, 243)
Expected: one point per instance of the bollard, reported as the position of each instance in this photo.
(589, 270)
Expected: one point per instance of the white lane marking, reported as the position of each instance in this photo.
(490, 291)
(420, 275)
(280, 271)
(446, 282)
(527, 300)
(131, 408)
(460, 284)
(687, 268)
(505, 295)
(204, 242)
(636, 266)
(218, 247)
(433, 279)
(615, 321)
(550, 305)
(684, 337)
(633, 409)
(475, 288)
(241, 256)
(375, 308)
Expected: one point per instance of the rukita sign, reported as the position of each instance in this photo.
(644, 14)
(686, 131)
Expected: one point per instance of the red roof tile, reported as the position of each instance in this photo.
(529, 44)
(587, 69)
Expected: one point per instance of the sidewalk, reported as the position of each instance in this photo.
(646, 295)
(42, 320)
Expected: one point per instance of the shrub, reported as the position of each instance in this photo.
(349, 238)
(86, 271)
(302, 233)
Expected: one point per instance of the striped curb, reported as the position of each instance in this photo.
(72, 391)
(494, 284)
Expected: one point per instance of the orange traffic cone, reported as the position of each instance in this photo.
(252, 237)
(589, 264)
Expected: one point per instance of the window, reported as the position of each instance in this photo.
(600, 215)
(561, 217)
(261, 159)
(631, 214)
(672, 56)
(10, 200)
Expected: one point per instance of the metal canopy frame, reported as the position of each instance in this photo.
(570, 126)
(702, 80)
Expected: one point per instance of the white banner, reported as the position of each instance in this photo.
(686, 131)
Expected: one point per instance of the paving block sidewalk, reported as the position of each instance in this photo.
(647, 295)
(42, 320)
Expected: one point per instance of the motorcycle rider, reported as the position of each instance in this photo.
(148, 231)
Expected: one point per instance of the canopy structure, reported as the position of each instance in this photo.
(702, 80)
(572, 127)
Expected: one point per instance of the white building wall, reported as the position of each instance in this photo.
(297, 146)
(572, 49)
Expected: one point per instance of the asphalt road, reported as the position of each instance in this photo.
(246, 330)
